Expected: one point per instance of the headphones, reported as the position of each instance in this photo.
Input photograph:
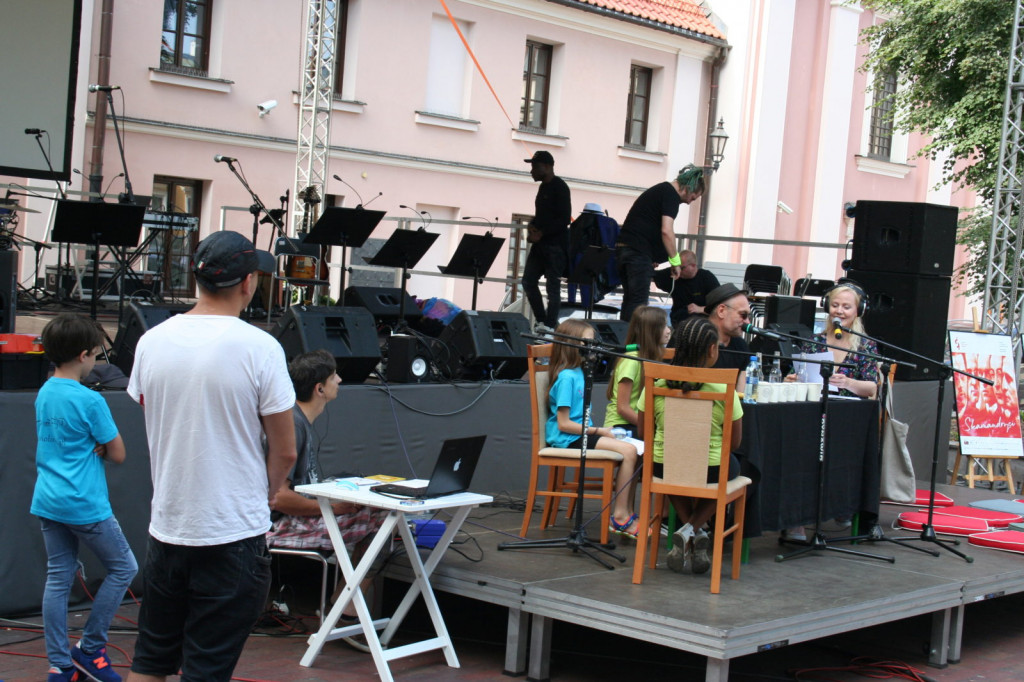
(862, 306)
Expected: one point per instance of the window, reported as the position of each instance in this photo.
(536, 87)
(448, 74)
(170, 250)
(339, 46)
(880, 135)
(638, 106)
(185, 41)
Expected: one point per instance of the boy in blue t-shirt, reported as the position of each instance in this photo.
(75, 434)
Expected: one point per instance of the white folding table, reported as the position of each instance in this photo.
(459, 504)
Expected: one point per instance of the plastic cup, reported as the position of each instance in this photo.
(767, 392)
(800, 391)
(788, 393)
(814, 392)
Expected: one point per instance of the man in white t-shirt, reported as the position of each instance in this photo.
(210, 385)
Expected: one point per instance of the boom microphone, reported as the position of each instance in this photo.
(837, 327)
(103, 88)
(227, 159)
(34, 131)
(751, 329)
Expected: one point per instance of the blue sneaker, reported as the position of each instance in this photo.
(95, 666)
(57, 675)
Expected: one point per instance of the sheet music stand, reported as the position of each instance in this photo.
(474, 257)
(344, 227)
(98, 224)
(403, 249)
(594, 260)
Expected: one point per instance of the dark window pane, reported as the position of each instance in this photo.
(170, 15)
(195, 18)
(167, 47)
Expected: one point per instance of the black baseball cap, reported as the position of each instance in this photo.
(541, 157)
(720, 295)
(224, 258)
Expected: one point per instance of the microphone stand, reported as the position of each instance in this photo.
(944, 372)
(128, 197)
(819, 542)
(577, 539)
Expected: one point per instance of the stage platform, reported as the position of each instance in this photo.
(772, 605)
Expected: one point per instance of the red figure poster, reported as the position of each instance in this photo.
(988, 416)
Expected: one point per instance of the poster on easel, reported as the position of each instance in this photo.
(988, 417)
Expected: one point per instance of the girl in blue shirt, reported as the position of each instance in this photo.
(565, 427)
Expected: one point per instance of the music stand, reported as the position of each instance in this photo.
(98, 224)
(474, 255)
(403, 249)
(594, 260)
(344, 227)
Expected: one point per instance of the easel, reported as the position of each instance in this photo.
(344, 227)
(403, 249)
(474, 256)
(98, 224)
(989, 475)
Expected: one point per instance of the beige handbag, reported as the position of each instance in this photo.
(898, 482)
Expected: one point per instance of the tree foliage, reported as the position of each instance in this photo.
(951, 59)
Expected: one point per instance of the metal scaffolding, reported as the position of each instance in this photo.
(1003, 300)
(316, 91)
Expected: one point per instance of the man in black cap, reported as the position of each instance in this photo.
(548, 232)
(729, 310)
(211, 385)
(648, 236)
(689, 292)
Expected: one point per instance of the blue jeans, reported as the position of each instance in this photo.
(107, 542)
(635, 272)
(199, 604)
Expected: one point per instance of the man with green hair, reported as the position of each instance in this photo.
(648, 235)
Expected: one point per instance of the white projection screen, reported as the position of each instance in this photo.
(38, 77)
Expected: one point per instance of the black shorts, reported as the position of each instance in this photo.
(199, 605)
(591, 442)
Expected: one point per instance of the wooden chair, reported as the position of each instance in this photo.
(687, 418)
(558, 459)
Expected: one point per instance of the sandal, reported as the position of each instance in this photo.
(623, 528)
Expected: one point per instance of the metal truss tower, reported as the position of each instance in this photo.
(1003, 297)
(316, 89)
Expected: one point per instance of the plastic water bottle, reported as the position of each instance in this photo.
(619, 432)
(775, 377)
(753, 376)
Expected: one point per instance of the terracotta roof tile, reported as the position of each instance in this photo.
(684, 14)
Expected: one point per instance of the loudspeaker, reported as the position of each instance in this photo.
(906, 237)
(139, 318)
(349, 334)
(909, 311)
(382, 302)
(788, 309)
(482, 343)
(611, 332)
(8, 290)
(408, 360)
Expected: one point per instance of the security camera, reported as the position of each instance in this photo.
(266, 107)
(784, 208)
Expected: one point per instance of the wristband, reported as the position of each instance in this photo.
(675, 260)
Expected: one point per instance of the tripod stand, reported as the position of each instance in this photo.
(577, 539)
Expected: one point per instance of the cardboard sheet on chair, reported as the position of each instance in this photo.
(687, 435)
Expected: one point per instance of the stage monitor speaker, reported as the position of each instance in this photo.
(8, 290)
(482, 344)
(789, 310)
(349, 334)
(909, 311)
(408, 359)
(906, 237)
(383, 302)
(613, 333)
(138, 318)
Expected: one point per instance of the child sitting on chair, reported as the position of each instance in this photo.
(648, 332)
(695, 341)
(565, 428)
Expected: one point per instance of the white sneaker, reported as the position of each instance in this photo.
(680, 557)
(541, 329)
(795, 533)
(701, 552)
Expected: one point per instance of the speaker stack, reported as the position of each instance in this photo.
(485, 344)
(903, 258)
(8, 290)
(612, 333)
(349, 334)
(139, 318)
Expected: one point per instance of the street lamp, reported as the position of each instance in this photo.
(716, 142)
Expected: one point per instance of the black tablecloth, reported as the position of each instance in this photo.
(780, 452)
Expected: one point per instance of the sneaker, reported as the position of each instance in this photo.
(95, 666)
(843, 522)
(680, 557)
(55, 674)
(701, 552)
(795, 533)
(541, 329)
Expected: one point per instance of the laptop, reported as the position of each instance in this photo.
(452, 472)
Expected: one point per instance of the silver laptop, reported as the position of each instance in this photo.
(452, 474)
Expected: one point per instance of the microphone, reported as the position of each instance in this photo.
(419, 214)
(751, 329)
(837, 327)
(103, 88)
(353, 189)
(34, 131)
(226, 159)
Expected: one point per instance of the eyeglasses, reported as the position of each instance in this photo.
(744, 314)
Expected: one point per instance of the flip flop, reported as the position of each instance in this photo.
(623, 528)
